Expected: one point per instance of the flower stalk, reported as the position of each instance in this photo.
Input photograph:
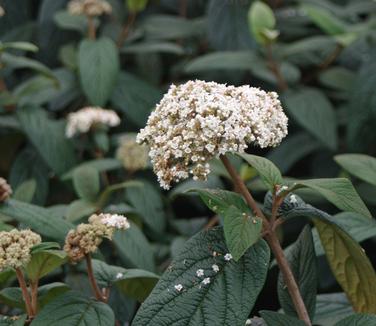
(272, 239)
(25, 293)
(92, 280)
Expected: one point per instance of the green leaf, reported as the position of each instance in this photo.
(74, 309)
(43, 262)
(25, 191)
(48, 137)
(152, 47)
(360, 165)
(339, 191)
(331, 308)
(135, 98)
(358, 320)
(99, 68)
(136, 5)
(37, 218)
(23, 46)
(226, 300)
(302, 260)
(338, 78)
(350, 265)
(241, 230)
(80, 208)
(268, 172)
(134, 248)
(86, 183)
(325, 20)
(314, 112)
(134, 283)
(148, 203)
(65, 20)
(19, 320)
(275, 319)
(261, 20)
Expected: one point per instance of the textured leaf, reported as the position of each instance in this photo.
(313, 111)
(135, 98)
(99, 68)
(73, 309)
(48, 136)
(350, 265)
(241, 230)
(358, 320)
(302, 260)
(226, 300)
(37, 218)
(268, 172)
(275, 319)
(135, 283)
(148, 203)
(339, 191)
(360, 165)
(86, 182)
(331, 308)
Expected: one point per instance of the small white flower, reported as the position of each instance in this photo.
(248, 322)
(178, 287)
(281, 189)
(215, 268)
(119, 276)
(228, 257)
(206, 280)
(200, 272)
(293, 199)
(114, 220)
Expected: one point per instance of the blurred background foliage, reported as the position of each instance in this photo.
(319, 55)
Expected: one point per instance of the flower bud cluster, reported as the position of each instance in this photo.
(5, 190)
(133, 155)
(89, 7)
(15, 247)
(89, 117)
(87, 237)
(197, 121)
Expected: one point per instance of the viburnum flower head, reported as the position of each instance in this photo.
(198, 120)
(89, 7)
(133, 155)
(15, 247)
(89, 117)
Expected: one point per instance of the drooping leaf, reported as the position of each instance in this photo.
(37, 218)
(358, 320)
(276, 319)
(302, 260)
(339, 191)
(225, 297)
(350, 265)
(314, 112)
(268, 172)
(73, 309)
(99, 68)
(135, 283)
(360, 165)
(48, 137)
(86, 182)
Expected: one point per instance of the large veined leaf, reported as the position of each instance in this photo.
(201, 287)
(135, 98)
(135, 283)
(73, 309)
(358, 320)
(37, 218)
(276, 319)
(331, 308)
(48, 137)
(302, 260)
(360, 165)
(339, 191)
(268, 172)
(99, 68)
(350, 265)
(314, 112)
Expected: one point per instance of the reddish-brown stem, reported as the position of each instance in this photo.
(274, 67)
(212, 222)
(34, 296)
(93, 282)
(272, 239)
(25, 293)
(126, 29)
(91, 33)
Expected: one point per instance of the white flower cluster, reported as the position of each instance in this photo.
(115, 221)
(197, 121)
(89, 117)
(89, 7)
(133, 155)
